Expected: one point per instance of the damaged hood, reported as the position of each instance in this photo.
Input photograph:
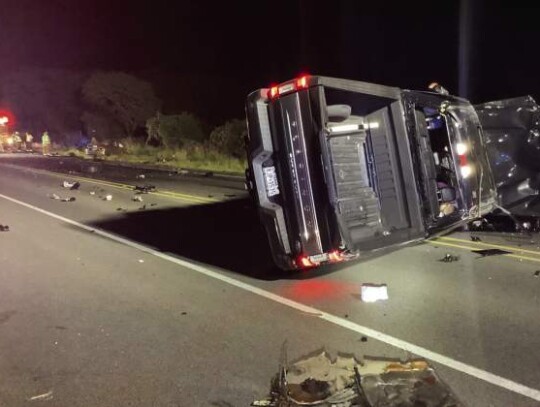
(512, 136)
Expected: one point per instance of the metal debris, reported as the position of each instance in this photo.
(449, 258)
(319, 380)
(59, 198)
(374, 292)
(4, 228)
(491, 252)
(44, 396)
(144, 189)
(71, 185)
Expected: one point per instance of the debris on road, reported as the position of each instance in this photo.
(230, 195)
(475, 239)
(209, 174)
(92, 192)
(449, 258)
(144, 189)
(374, 292)
(141, 176)
(363, 339)
(537, 273)
(142, 208)
(491, 252)
(108, 197)
(319, 380)
(71, 185)
(153, 204)
(44, 396)
(141, 261)
(59, 198)
(4, 228)
(137, 198)
(182, 172)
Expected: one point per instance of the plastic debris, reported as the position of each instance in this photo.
(70, 199)
(71, 185)
(141, 261)
(4, 228)
(44, 396)
(491, 252)
(374, 292)
(144, 189)
(92, 192)
(449, 258)
(108, 197)
(141, 176)
(475, 239)
(137, 198)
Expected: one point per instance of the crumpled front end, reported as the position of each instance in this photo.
(511, 130)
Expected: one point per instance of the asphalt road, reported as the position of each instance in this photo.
(174, 301)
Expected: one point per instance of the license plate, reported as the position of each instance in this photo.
(270, 179)
(319, 258)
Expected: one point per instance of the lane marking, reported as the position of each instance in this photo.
(112, 184)
(325, 316)
(470, 248)
(499, 246)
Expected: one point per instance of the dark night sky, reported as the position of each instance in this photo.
(206, 56)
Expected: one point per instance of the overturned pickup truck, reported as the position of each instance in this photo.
(339, 167)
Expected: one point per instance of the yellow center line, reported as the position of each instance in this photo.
(514, 256)
(486, 244)
(113, 184)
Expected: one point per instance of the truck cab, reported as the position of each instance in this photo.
(340, 168)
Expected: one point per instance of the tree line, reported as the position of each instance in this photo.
(107, 105)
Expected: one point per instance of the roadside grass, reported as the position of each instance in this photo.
(194, 157)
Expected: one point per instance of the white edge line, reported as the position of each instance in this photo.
(352, 326)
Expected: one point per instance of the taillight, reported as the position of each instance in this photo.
(302, 82)
(304, 262)
(298, 84)
(335, 256)
(273, 92)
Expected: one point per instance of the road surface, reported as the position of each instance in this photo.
(174, 301)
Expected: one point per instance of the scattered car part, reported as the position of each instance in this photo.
(491, 252)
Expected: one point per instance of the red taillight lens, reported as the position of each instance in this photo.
(304, 262)
(273, 92)
(335, 256)
(302, 82)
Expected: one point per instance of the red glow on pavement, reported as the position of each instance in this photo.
(320, 290)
